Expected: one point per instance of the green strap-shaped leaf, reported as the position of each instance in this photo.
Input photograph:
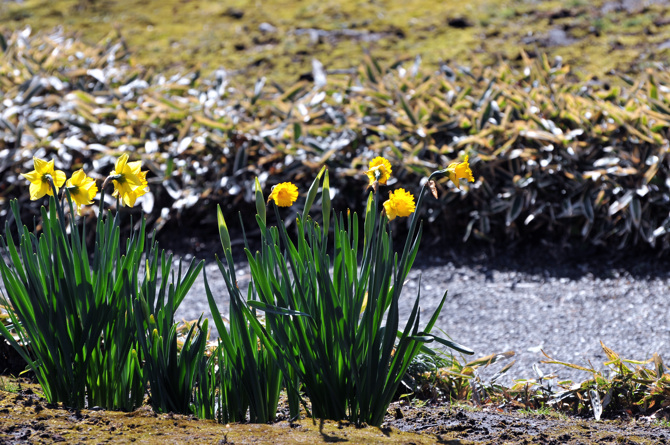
(370, 217)
(311, 193)
(271, 309)
(452, 344)
(260, 200)
(224, 235)
(326, 206)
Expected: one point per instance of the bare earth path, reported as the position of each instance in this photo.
(530, 301)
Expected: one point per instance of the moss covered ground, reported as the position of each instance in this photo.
(26, 418)
(279, 38)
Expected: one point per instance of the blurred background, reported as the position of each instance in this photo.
(280, 38)
(562, 107)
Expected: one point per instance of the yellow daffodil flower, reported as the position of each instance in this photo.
(130, 197)
(400, 203)
(382, 166)
(82, 189)
(39, 178)
(459, 171)
(129, 182)
(284, 194)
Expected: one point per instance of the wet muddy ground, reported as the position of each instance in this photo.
(26, 418)
(488, 425)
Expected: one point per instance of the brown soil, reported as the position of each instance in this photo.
(492, 426)
(26, 418)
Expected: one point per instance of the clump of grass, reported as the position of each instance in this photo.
(9, 384)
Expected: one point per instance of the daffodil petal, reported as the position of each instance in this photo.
(32, 176)
(133, 181)
(42, 166)
(129, 199)
(77, 177)
(36, 191)
(92, 191)
(88, 186)
(121, 163)
(390, 210)
(454, 179)
(135, 167)
(59, 178)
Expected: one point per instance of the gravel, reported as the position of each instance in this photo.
(527, 301)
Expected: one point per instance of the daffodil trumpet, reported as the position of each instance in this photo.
(81, 189)
(44, 179)
(379, 171)
(284, 194)
(460, 170)
(129, 181)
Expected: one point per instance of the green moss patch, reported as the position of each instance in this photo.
(279, 38)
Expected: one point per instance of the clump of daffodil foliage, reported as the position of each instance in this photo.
(99, 330)
(330, 321)
(95, 329)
